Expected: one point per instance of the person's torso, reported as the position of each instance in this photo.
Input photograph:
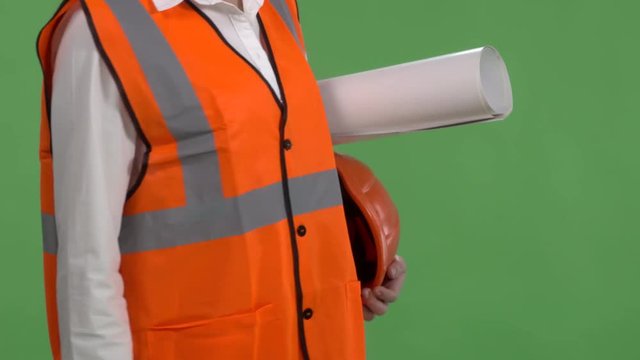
(234, 243)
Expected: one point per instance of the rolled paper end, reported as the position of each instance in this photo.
(450, 90)
(495, 82)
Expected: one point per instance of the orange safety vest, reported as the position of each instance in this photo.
(234, 241)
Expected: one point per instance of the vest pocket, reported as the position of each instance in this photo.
(356, 331)
(226, 337)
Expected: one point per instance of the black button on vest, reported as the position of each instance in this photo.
(302, 230)
(286, 144)
(307, 313)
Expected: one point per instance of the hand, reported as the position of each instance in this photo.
(376, 302)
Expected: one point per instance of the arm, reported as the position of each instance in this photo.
(93, 145)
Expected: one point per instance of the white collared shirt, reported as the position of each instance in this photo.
(97, 155)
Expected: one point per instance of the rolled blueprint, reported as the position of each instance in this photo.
(454, 89)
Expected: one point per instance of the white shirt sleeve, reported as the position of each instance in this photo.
(94, 150)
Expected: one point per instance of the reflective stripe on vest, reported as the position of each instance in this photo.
(261, 207)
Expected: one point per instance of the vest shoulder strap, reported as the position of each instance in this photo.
(288, 11)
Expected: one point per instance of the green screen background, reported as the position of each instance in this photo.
(521, 236)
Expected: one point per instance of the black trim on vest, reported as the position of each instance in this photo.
(47, 82)
(283, 167)
(297, 11)
(287, 196)
(123, 95)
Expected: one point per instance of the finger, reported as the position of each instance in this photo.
(396, 284)
(385, 294)
(374, 304)
(365, 293)
(397, 268)
(368, 314)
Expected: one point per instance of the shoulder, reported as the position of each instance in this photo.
(73, 35)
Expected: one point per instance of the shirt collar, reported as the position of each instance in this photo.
(250, 7)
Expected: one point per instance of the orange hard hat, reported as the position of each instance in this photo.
(372, 219)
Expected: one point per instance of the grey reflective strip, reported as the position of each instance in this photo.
(203, 222)
(208, 214)
(176, 98)
(314, 192)
(49, 234)
(232, 216)
(285, 14)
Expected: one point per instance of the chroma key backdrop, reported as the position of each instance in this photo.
(521, 236)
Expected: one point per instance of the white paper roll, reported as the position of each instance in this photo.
(453, 89)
